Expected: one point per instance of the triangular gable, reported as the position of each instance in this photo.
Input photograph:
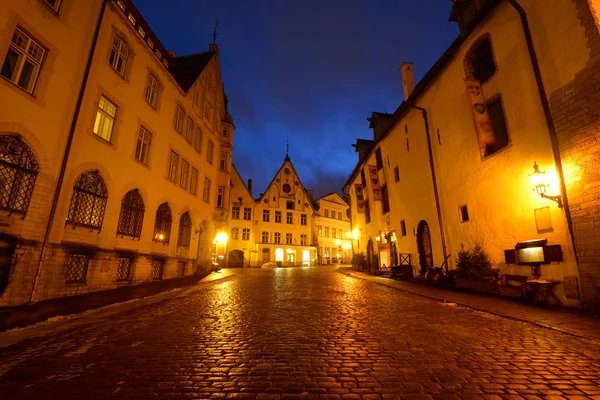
(295, 173)
(187, 69)
(237, 177)
(333, 197)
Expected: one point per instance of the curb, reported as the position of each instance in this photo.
(472, 307)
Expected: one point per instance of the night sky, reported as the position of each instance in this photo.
(309, 71)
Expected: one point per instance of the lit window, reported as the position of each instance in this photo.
(131, 19)
(189, 129)
(88, 202)
(266, 215)
(209, 152)
(105, 119)
(235, 233)
(319, 231)
(246, 234)
(141, 32)
(185, 230)
(289, 218)
(179, 114)
(152, 88)
(173, 161)
(183, 176)
(194, 181)
(162, 224)
(235, 212)
(54, 4)
(143, 146)
(118, 55)
(247, 213)
(132, 214)
(198, 139)
(121, 5)
(23, 61)
(206, 191)
(288, 238)
(220, 196)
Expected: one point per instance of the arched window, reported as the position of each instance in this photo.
(18, 170)
(479, 61)
(162, 224)
(185, 230)
(132, 214)
(89, 200)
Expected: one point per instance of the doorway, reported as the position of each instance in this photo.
(236, 259)
(424, 247)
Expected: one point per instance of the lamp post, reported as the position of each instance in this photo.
(538, 181)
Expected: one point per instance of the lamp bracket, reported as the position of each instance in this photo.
(557, 199)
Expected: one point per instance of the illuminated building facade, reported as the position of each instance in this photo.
(454, 163)
(116, 154)
(332, 230)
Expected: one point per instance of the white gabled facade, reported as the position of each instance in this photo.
(332, 230)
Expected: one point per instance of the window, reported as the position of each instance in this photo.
(221, 196)
(326, 213)
(77, 266)
(54, 4)
(223, 163)
(289, 218)
(367, 212)
(277, 239)
(162, 224)
(179, 114)
(143, 146)
(194, 181)
(246, 234)
(132, 214)
(209, 152)
(157, 269)
(206, 191)
(118, 55)
(385, 201)
(247, 213)
(18, 172)
(105, 119)
(378, 159)
(289, 205)
(396, 175)
(235, 233)
(303, 219)
(278, 216)
(23, 61)
(173, 161)
(198, 139)
(403, 227)
(326, 231)
(479, 62)
(183, 176)
(463, 213)
(181, 268)
(326, 252)
(501, 139)
(89, 200)
(288, 238)
(189, 129)
(225, 131)
(185, 230)
(333, 233)
(265, 237)
(319, 231)
(235, 212)
(152, 88)
(340, 216)
(124, 269)
(303, 239)
(266, 215)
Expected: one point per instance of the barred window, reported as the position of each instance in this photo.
(77, 266)
(179, 114)
(185, 230)
(89, 200)
(235, 212)
(124, 269)
(118, 55)
(235, 233)
(198, 139)
(23, 61)
(105, 118)
(246, 234)
(152, 88)
(247, 213)
(189, 129)
(181, 268)
(157, 269)
(162, 224)
(132, 214)
(18, 171)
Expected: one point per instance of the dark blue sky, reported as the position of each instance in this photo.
(310, 71)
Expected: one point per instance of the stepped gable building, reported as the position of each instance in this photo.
(332, 230)
(495, 145)
(115, 153)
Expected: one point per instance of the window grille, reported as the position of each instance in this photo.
(194, 181)
(162, 224)
(185, 230)
(124, 269)
(209, 152)
(181, 268)
(152, 88)
(18, 171)
(77, 266)
(89, 200)
(157, 269)
(132, 214)
(189, 129)
(143, 146)
(118, 55)
(23, 61)
(105, 118)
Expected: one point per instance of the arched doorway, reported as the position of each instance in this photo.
(370, 256)
(424, 247)
(236, 259)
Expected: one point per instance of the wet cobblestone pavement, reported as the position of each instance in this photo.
(308, 333)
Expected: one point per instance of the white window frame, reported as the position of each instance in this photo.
(152, 89)
(142, 148)
(173, 163)
(28, 50)
(121, 52)
(104, 116)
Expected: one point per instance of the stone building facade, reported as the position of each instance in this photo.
(115, 166)
(332, 230)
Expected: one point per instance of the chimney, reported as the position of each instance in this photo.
(408, 78)
(250, 186)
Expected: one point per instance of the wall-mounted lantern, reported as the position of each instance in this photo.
(538, 180)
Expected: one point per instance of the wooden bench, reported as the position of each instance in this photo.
(512, 286)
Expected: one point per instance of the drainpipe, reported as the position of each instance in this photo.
(435, 187)
(65, 158)
(549, 121)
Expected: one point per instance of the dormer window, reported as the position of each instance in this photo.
(479, 62)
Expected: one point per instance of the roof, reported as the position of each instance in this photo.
(186, 69)
(341, 201)
(236, 172)
(423, 84)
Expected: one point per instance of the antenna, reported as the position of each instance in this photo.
(215, 34)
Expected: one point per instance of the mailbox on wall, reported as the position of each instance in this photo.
(533, 252)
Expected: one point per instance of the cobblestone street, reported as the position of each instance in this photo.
(292, 334)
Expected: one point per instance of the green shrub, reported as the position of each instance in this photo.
(474, 264)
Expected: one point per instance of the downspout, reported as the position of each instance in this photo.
(435, 187)
(65, 158)
(549, 120)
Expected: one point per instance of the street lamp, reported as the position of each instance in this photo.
(538, 181)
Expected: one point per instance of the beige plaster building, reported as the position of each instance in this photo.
(332, 229)
(115, 166)
(454, 163)
(241, 245)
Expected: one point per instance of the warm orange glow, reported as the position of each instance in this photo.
(538, 179)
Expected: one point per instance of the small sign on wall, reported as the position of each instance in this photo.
(105, 266)
(543, 219)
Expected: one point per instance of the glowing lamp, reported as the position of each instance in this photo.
(160, 237)
(221, 237)
(348, 235)
(538, 182)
